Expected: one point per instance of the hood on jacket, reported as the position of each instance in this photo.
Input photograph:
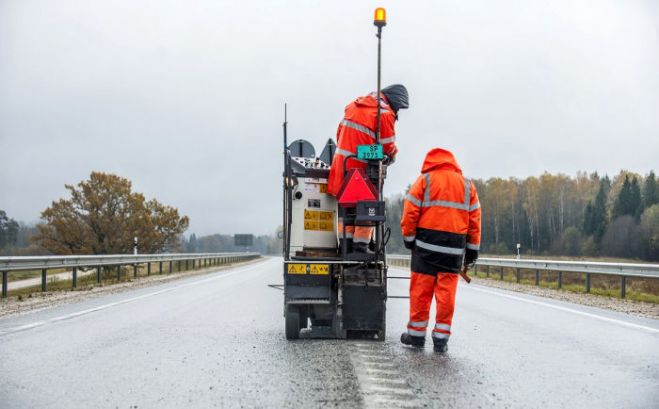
(439, 158)
(370, 100)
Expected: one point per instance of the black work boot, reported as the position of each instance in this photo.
(408, 339)
(361, 248)
(440, 345)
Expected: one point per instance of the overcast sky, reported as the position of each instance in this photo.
(185, 98)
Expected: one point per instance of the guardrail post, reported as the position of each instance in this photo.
(560, 279)
(44, 273)
(74, 279)
(501, 273)
(488, 272)
(179, 266)
(99, 271)
(517, 275)
(186, 265)
(5, 283)
(623, 286)
(119, 272)
(160, 267)
(171, 266)
(537, 277)
(587, 282)
(148, 268)
(134, 270)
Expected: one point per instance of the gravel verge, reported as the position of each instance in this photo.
(637, 308)
(49, 299)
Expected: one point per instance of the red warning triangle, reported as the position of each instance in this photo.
(356, 188)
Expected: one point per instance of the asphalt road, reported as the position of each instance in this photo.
(218, 341)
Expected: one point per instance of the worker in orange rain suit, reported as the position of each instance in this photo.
(358, 127)
(441, 224)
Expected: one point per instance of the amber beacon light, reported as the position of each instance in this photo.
(380, 18)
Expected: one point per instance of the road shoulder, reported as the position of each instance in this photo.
(41, 301)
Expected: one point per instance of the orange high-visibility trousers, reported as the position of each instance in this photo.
(358, 234)
(422, 288)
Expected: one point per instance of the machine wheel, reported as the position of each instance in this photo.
(383, 332)
(304, 317)
(292, 323)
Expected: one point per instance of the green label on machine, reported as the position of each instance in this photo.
(370, 152)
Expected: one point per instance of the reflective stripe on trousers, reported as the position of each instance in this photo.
(422, 289)
(417, 328)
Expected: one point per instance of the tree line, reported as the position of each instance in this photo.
(102, 215)
(219, 243)
(584, 215)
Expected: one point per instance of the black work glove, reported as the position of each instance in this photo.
(470, 257)
(409, 245)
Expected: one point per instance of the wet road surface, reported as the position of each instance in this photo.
(218, 341)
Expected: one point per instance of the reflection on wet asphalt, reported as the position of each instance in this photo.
(217, 341)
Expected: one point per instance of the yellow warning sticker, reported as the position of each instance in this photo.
(318, 220)
(321, 269)
(325, 215)
(323, 188)
(311, 225)
(297, 269)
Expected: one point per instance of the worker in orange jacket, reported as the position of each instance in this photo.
(441, 224)
(358, 128)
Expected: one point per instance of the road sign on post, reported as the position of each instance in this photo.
(243, 240)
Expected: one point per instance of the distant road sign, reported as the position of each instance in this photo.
(243, 240)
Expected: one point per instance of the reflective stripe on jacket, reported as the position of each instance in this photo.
(358, 128)
(441, 215)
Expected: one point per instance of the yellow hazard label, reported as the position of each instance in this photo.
(323, 188)
(297, 269)
(321, 269)
(318, 220)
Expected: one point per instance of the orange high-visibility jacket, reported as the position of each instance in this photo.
(358, 128)
(441, 215)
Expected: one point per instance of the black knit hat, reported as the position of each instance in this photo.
(397, 96)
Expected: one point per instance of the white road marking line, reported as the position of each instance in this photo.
(380, 365)
(388, 390)
(395, 402)
(381, 371)
(114, 304)
(387, 380)
(381, 384)
(566, 309)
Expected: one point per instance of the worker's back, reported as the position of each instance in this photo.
(442, 215)
(358, 128)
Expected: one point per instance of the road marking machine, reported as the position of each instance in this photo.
(329, 291)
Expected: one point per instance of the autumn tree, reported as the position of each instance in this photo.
(103, 215)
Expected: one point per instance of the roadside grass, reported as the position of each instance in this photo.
(109, 276)
(637, 289)
(27, 274)
(568, 258)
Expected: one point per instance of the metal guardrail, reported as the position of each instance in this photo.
(44, 263)
(622, 270)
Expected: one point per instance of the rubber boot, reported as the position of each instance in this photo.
(362, 248)
(440, 345)
(417, 342)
